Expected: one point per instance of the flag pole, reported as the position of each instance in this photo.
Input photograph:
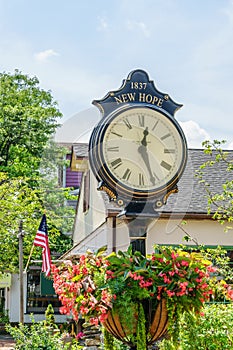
(29, 258)
(30, 255)
(21, 281)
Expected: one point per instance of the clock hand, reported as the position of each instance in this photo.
(146, 133)
(143, 151)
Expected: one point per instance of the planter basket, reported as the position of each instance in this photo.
(155, 329)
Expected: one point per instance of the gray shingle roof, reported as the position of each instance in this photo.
(191, 197)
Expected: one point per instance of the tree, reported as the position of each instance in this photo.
(29, 162)
(17, 201)
(28, 119)
(219, 194)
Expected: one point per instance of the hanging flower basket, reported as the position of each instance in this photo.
(125, 329)
(115, 290)
(159, 325)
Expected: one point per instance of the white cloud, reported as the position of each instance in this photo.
(195, 135)
(228, 11)
(141, 26)
(43, 56)
(103, 24)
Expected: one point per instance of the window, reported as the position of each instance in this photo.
(40, 292)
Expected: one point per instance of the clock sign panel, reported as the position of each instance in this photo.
(138, 150)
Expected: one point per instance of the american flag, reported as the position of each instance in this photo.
(41, 240)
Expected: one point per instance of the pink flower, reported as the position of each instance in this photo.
(85, 271)
(94, 321)
(83, 310)
(64, 310)
(103, 318)
(110, 274)
(79, 335)
(166, 279)
(170, 293)
(145, 284)
(211, 269)
(174, 256)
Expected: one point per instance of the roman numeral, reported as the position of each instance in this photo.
(127, 174)
(165, 136)
(169, 150)
(165, 165)
(141, 179)
(116, 163)
(127, 123)
(141, 119)
(155, 125)
(115, 133)
(113, 149)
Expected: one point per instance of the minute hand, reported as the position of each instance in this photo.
(143, 151)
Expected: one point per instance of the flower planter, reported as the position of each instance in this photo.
(155, 329)
(132, 291)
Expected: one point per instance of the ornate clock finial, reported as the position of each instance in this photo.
(137, 88)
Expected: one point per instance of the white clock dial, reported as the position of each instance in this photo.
(142, 149)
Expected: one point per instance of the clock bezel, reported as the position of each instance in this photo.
(102, 171)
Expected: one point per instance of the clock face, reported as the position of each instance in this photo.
(142, 150)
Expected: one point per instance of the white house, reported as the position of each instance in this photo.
(98, 223)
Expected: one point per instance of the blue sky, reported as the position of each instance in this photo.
(80, 50)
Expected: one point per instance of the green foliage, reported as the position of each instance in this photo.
(49, 316)
(141, 329)
(28, 118)
(111, 343)
(41, 335)
(4, 317)
(18, 201)
(212, 330)
(36, 336)
(29, 162)
(220, 199)
(108, 340)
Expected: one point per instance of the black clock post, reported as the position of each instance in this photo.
(138, 216)
(138, 152)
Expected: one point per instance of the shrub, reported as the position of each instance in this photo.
(213, 330)
(36, 336)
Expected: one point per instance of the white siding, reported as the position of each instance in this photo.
(95, 216)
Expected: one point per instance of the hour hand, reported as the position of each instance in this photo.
(143, 151)
(145, 133)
